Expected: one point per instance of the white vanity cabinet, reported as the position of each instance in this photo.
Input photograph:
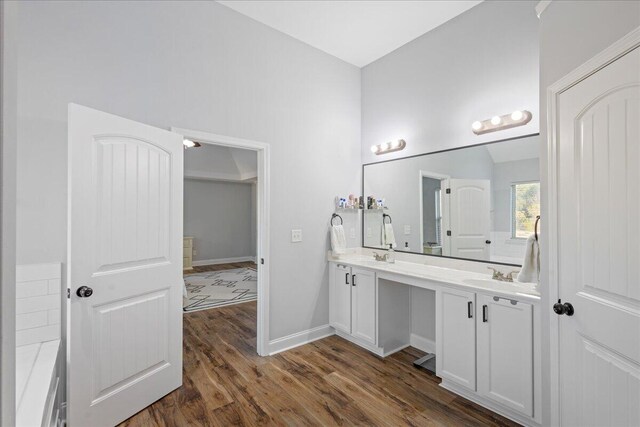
(487, 342)
(352, 302)
(340, 297)
(505, 352)
(456, 338)
(363, 305)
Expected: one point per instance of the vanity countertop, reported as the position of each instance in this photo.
(459, 278)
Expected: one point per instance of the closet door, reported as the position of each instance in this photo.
(598, 237)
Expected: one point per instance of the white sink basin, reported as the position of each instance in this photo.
(524, 288)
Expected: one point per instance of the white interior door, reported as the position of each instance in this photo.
(124, 341)
(598, 124)
(470, 221)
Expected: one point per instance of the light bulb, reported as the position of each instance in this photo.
(395, 144)
(188, 143)
(384, 146)
(374, 149)
(476, 125)
(496, 120)
(517, 115)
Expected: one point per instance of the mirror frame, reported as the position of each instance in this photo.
(427, 154)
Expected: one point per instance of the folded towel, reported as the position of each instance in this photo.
(338, 240)
(388, 238)
(530, 271)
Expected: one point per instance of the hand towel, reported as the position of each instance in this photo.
(338, 240)
(388, 238)
(530, 271)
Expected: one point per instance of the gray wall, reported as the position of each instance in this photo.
(571, 32)
(219, 217)
(429, 229)
(428, 92)
(8, 157)
(195, 65)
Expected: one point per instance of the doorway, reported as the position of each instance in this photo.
(256, 184)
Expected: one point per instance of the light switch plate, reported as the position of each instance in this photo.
(407, 230)
(296, 236)
(369, 234)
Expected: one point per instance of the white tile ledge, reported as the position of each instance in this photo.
(34, 375)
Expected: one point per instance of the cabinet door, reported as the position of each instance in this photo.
(363, 305)
(340, 298)
(456, 340)
(505, 352)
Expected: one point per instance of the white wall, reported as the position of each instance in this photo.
(428, 92)
(571, 32)
(202, 66)
(218, 215)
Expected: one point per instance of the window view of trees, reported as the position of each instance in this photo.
(525, 202)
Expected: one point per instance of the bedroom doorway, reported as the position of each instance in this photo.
(225, 233)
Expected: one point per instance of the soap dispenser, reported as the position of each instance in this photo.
(391, 255)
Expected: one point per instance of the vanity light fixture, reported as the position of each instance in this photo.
(388, 147)
(506, 121)
(190, 144)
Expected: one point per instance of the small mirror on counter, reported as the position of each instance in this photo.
(478, 202)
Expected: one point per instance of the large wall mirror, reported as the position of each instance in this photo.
(478, 202)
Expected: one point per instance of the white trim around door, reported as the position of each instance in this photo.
(623, 46)
(445, 224)
(263, 151)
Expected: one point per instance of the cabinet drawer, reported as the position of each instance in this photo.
(186, 262)
(187, 252)
(187, 243)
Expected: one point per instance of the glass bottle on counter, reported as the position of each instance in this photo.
(391, 255)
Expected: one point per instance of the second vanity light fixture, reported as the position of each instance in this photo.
(388, 147)
(517, 118)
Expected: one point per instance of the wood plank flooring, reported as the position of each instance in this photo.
(325, 383)
(218, 267)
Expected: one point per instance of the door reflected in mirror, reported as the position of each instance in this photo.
(478, 202)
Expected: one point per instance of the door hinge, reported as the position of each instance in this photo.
(262, 261)
(68, 293)
(448, 191)
(448, 232)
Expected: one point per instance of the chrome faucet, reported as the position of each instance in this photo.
(500, 276)
(379, 257)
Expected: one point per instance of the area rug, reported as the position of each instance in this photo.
(220, 288)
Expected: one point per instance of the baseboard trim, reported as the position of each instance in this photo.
(223, 260)
(299, 338)
(422, 343)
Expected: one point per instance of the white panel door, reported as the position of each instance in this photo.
(598, 246)
(470, 221)
(124, 341)
(456, 338)
(363, 305)
(340, 298)
(505, 352)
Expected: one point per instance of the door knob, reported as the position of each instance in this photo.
(84, 292)
(561, 308)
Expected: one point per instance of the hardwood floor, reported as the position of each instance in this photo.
(325, 383)
(218, 267)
